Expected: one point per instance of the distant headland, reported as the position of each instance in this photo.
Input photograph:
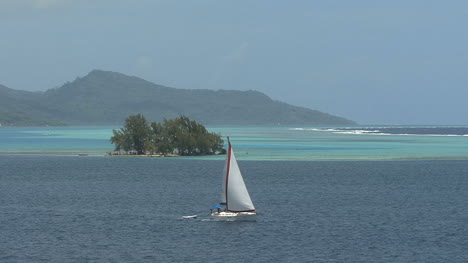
(106, 98)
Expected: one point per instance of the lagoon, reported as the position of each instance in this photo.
(275, 143)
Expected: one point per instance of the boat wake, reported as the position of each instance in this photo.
(189, 217)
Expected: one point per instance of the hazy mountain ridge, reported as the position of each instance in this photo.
(104, 97)
(24, 108)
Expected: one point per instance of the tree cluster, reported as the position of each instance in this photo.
(180, 136)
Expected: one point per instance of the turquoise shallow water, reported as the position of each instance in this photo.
(262, 143)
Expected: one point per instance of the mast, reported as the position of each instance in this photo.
(228, 167)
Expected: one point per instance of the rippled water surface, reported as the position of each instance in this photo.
(103, 209)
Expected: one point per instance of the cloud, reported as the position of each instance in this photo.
(228, 67)
(144, 63)
(34, 3)
(239, 53)
(143, 66)
(48, 3)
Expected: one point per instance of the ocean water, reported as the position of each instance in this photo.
(349, 194)
(266, 143)
(56, 140)
(107, 209)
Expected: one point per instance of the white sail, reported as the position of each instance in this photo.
(223, 185)
(235, 194)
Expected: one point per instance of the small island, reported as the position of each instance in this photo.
(177, 137)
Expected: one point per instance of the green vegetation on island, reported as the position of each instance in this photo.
(180, 136)
(106, 98)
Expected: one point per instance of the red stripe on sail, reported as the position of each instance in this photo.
(228, 167)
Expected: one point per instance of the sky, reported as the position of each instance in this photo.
(393, 62)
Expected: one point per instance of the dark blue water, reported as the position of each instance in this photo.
(100, 209)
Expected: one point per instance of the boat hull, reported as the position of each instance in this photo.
(234, 216)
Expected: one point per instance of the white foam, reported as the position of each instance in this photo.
(309, 129)
(373, 131)
(189, 217)
(357, 132)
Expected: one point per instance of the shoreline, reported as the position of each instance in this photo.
(203, 157)
(96, 154)
(145, 155)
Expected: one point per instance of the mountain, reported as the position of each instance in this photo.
(104, 97)
(24, 108)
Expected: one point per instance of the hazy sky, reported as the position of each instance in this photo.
(375, 62)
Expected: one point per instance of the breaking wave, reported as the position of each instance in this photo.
(413, 130)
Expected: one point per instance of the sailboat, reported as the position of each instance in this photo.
(235, 204)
